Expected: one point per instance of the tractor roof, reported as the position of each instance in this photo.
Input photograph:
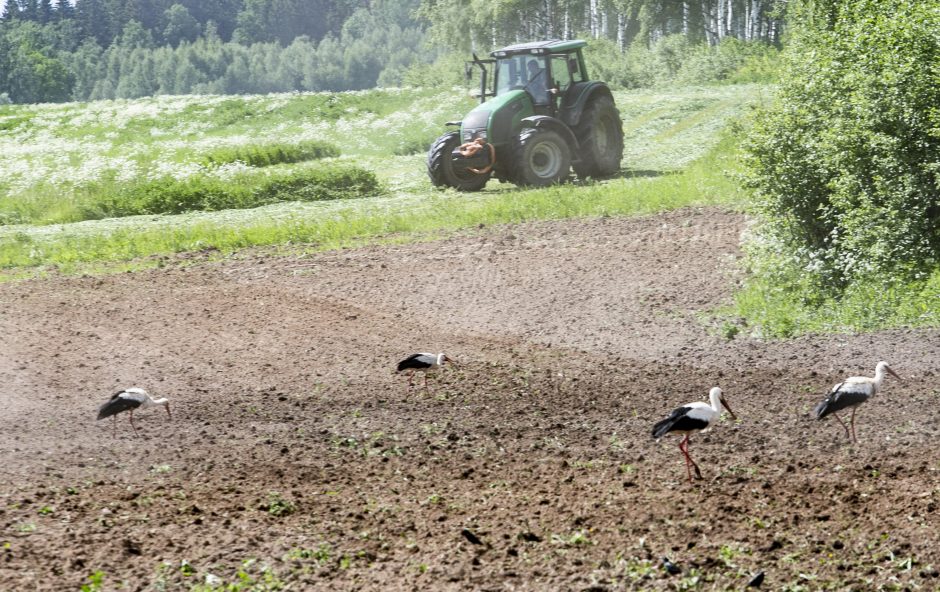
(539, 47)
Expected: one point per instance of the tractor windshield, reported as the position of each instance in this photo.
(525, 72)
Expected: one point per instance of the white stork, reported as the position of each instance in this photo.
(690, 418)
(852, 392)
(425, 363)
(129, 400)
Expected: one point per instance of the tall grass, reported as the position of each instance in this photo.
(786, 304)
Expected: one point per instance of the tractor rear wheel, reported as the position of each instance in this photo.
(540, 157)
(441, 167)
(600, 136)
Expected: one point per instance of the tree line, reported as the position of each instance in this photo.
(101, 49)
(486, 24)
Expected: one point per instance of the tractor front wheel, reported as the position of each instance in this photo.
(441, 167)
(541, 157)
(600, 135)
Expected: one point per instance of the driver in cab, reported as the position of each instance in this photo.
(537, 84)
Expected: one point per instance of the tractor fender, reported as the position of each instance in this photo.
(582, 93)
(556, 125)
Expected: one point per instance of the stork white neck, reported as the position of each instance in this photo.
(880, 370)
(714, 397)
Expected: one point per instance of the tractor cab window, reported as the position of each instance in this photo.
(561, 73)
(574, 68)
(523, 72)
(510, 74)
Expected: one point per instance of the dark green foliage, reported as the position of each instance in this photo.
(261, 21)
(180, 25)
(204, 193)
(847, 163)
(105, 49)
(260, 155)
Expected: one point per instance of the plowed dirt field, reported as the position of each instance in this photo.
(295, 456)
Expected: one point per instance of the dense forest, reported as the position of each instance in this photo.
(100, 49)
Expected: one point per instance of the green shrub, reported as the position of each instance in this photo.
(206, 193)
(731, 61)
(674, 59)
(260, 155)
(846, 164)
(447, 70)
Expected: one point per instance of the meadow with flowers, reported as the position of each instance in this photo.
(82, 181)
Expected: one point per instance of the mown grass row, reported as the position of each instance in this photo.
(198, 193)
(271, 153)
(208, 194)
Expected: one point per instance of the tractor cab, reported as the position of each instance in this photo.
(545, 70)
(539, 116)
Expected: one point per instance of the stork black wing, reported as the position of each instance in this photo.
(116, 405)
(678, 420)
(415, 362)
(841, 397)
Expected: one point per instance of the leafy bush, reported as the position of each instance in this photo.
(260, 155)
(733, 61)
(207, 193)
(446, 71)
(846, 164)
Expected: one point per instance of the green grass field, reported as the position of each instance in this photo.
(66, 160)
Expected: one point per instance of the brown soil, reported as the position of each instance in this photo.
(294, 443)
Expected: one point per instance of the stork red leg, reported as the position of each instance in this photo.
(854, 438)
(132, 422)
(425, 382)
(698, 471)
(411, 378)
(685, 455)
(845, 427)
(689, 463)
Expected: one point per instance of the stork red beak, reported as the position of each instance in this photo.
(892, 373)
(451, 360)
(728, 409)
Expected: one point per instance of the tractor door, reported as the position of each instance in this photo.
(567, 73)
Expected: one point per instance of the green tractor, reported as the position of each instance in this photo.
(539, 117)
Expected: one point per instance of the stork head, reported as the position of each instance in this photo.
(883, 367)
(718, 401)
(165, 403)
(444, 359)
